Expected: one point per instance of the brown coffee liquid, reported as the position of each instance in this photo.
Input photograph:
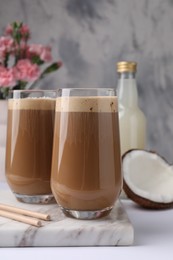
(86, 166)
(29, 145)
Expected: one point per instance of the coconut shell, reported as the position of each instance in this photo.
(143, 202)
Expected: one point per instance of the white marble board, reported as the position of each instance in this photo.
(113, 230)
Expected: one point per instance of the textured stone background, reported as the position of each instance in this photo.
(90, 36)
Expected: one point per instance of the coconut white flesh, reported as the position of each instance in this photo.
(148, 176)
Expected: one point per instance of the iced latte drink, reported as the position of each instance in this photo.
(86, 166)
(29, 145)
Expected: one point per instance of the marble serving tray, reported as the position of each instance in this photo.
(113, 230)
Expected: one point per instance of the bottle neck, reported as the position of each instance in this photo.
(127, 89)
(126, 75)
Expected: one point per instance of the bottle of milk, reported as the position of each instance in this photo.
(131, 119)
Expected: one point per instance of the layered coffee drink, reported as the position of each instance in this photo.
(86, 165)
(29, 146)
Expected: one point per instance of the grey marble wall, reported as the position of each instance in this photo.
(90, 36)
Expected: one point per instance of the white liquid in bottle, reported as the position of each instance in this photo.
(131, 119)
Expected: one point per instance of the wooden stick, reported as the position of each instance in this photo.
(25, 212)
(21, 218)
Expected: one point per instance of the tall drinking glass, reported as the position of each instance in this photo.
(86, 175)
(29, 144)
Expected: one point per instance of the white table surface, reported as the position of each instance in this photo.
(153, 240)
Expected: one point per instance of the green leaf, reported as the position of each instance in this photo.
(36, 60)
(4, 92)
(53, 67)
(6, 60)
(21, 85)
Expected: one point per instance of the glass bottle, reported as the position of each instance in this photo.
(132, 120)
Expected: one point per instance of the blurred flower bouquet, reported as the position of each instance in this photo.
(22, 64)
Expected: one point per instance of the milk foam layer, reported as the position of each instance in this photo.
(32, 104)
(87, 104)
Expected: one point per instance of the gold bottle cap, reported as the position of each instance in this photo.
(126, 66)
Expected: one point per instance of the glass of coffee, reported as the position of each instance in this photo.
(86, 175)
(30, 130)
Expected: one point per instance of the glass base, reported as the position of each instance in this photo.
(35, 199)
(95, 214)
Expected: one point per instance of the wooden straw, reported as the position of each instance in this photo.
(21, 218)
(25, 212)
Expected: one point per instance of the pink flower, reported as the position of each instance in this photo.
(9, 29)
(2, 55)
(24, 30)
(44, 52)
(27, 71)
(7, 77)
(20, 62)
(6, 44)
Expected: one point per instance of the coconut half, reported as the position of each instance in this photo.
(148, 179)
